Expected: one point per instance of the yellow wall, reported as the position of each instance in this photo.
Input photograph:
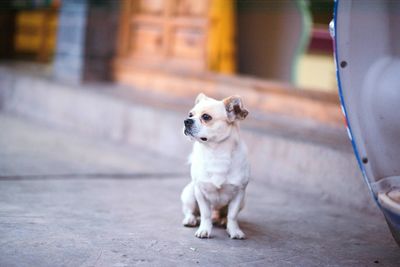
(36, 30)
(317, 72)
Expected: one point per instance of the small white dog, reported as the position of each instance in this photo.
(219, 168)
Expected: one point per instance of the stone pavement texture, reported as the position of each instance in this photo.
(68, 200)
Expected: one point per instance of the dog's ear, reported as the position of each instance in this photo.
(200, 97)
(234, 108)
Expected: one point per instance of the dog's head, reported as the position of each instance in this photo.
(211, 120)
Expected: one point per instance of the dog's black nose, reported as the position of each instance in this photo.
(188, 122)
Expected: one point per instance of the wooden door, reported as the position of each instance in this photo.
(167, 33)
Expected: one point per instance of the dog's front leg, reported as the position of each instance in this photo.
(205, 227)
(232, 226)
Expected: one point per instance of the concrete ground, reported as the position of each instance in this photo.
(68, 200)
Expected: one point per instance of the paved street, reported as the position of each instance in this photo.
(67, 200)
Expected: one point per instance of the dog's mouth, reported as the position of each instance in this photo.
(187, 132)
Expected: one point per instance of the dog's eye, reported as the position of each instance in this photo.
(190, 114)
(206, 117)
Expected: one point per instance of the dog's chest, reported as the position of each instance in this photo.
(224, 167)
(218, 197)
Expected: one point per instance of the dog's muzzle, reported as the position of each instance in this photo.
(188, 126)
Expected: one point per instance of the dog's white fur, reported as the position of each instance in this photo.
(219, 167)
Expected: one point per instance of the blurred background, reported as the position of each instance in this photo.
(94, 40)
(93, 94)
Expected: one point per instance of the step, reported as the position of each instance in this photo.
(293, 154)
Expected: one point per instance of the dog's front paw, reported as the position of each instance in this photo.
(203, 232)
(235, 233)
(189, 221)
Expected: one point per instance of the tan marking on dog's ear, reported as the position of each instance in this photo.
(200, 97)
(234, 108)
